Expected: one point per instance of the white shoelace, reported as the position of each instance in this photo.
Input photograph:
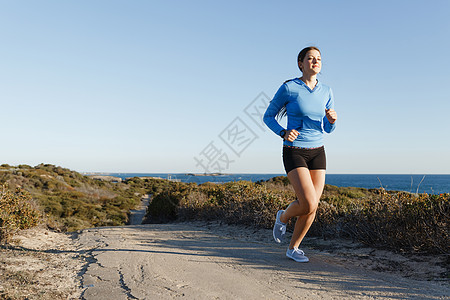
(283, 229)
(299, 251)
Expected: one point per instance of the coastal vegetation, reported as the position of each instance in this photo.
(66, 200)
(398, 221)
(17, 212)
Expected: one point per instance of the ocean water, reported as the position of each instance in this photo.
(431, 184)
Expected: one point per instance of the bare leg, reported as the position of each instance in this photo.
(308, 186)
(318, 179)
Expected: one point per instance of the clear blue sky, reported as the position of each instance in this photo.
(148, 86)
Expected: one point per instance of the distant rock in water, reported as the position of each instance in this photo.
(106, 178)
(207, 174)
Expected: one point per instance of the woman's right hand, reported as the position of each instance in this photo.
(291, 135)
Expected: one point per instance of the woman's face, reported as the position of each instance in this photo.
(312, 63)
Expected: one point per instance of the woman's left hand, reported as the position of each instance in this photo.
(331, 115)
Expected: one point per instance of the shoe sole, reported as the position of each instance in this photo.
(273, 231)
(305, 260)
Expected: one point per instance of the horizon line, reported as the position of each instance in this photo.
(252, 173)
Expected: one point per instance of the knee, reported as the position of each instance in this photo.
(310, 207)
(303, 207)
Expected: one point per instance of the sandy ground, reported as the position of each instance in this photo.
(40, 264)
(137, 215)
(199, 260)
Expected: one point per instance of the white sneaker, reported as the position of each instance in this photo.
(279, 229)
(297, 255)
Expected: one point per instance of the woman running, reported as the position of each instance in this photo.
(309, 106)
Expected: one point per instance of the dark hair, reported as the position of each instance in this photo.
(302, 54)
(300, 58)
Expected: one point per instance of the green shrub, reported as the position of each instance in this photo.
(398, 221)
(72, 201)
(163, 207)
(392, 220)
(16, 212)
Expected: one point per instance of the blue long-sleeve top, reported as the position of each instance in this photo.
(305, 112)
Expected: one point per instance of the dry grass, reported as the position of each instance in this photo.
(17, 212)
(71, 201)
(398, 221)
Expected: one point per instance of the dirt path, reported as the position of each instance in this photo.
(137, 215)
(198, 261)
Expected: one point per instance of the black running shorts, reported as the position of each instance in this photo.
(311, 158)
